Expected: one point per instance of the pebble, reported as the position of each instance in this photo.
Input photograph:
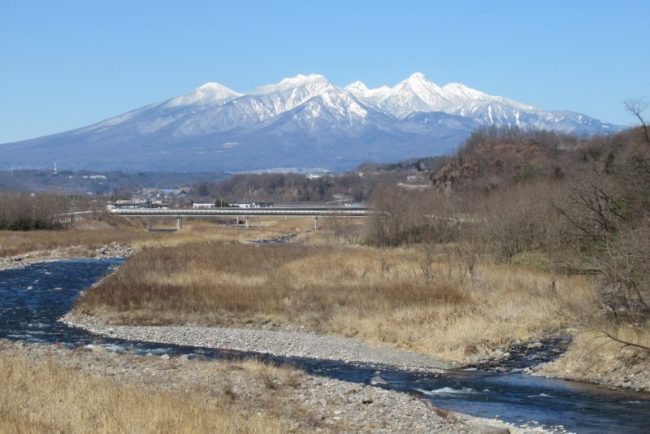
(357, 408)
(535, 345)
(303, 344)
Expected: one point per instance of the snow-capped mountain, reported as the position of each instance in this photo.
(302, 121)
(419, 94)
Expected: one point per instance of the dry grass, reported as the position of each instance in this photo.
(88, 236)
(14, 243)
(44, 397)
(593, 357)
(406, 298)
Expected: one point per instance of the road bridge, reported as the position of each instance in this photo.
(301, 211)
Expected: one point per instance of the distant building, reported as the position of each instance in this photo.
(262, 204)
(203, 205)
(253, 205)
(130, 204)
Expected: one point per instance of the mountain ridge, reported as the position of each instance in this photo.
(301, 121)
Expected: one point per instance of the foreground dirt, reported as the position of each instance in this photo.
(301, 402)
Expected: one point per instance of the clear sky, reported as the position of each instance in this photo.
(66, 64)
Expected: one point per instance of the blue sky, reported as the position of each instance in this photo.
(66, 64)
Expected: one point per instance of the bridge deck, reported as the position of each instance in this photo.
(214, 212)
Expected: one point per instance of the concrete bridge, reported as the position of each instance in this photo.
(246, 213)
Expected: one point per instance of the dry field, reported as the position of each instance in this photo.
(410, 298)
(88, 236)
(43, 396)
(15, 243)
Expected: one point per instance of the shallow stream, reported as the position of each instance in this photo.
(34, 297)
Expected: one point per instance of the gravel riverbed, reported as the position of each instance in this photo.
(306, 403)
(277, 342)
(112, 250)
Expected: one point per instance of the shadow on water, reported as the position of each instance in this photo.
(34, 297)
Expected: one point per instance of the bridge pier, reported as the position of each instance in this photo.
(179, 223)
(316, 223)
(247, 221)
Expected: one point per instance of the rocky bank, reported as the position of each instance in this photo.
(306, 403)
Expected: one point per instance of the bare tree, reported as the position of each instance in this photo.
(636, 108)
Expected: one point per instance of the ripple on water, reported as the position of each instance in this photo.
(448, 391)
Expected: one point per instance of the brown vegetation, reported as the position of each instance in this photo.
(595, 358)
(15, 243)
(554, 202)
(494, 157)
(87, 236)
(23, 212)
(43, 396)
(424, 300)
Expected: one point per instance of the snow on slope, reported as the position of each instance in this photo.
(419, 94)
(214, 108)
(209, 93)
(302, 120)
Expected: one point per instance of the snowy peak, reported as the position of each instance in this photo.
(357, 87)
(421, 87)
(301, 121)
(311, 81)
(373, 96)
(419, 94)
(291, 92)
(337, 105)
(417, 76)
(314, 103)
(416, 93)
(459, 91)
(312, 100)
(417, 80)
(209, 93)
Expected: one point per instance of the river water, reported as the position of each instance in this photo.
(34, 297)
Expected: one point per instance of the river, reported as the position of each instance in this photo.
(33, 298)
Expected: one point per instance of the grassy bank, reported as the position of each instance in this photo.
(410, 298)
(595, 358)
(88, 236)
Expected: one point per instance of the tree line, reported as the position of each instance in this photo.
(569, 204)
(23, 211)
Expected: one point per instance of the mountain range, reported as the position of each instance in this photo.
(302, 122)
